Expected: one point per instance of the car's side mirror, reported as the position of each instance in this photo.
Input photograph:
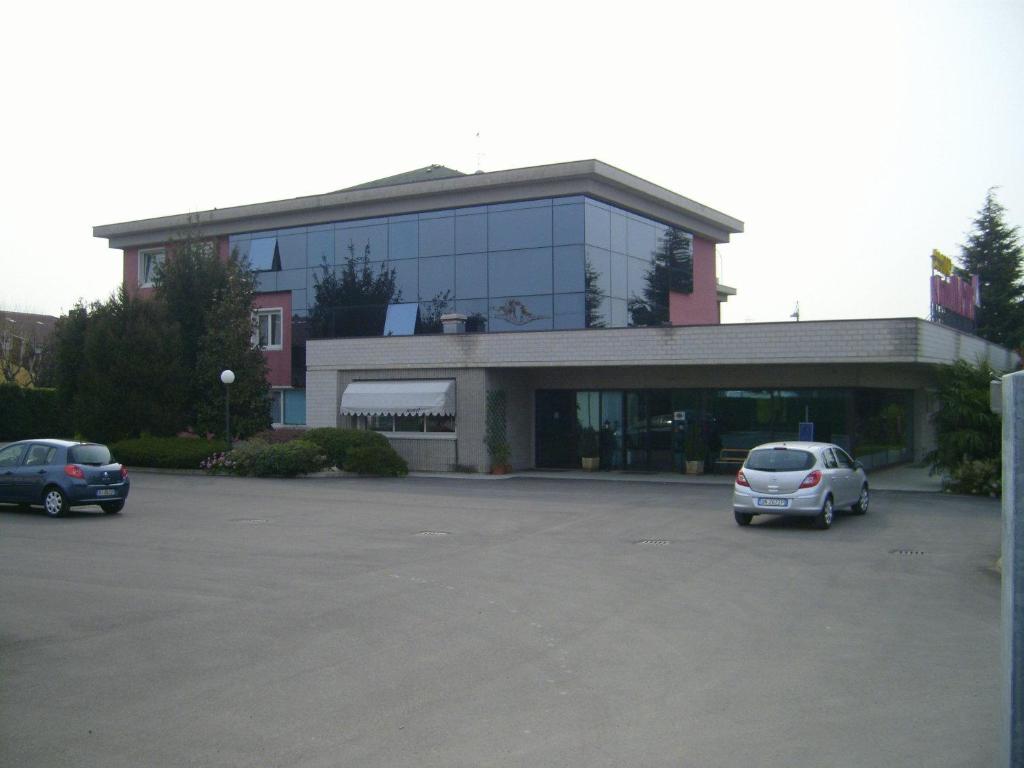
(858, 465)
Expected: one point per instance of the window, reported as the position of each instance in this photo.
(268, 329)
(149, 260)
(420, 424)
(264, 255)
(40, 455)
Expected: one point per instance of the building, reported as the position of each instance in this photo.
(584, 296)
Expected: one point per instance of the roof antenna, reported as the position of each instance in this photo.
(479, 154)
(796, 312)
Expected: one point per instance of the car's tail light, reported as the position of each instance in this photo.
(124, 472)
(73, 470)
(741, 479)
(812, 479)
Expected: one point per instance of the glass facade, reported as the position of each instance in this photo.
(557, 263)
(654, 429)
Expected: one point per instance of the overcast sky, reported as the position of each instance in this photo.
(851, 138)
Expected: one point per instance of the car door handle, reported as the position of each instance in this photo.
(41, 472)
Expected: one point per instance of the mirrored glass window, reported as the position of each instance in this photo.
(403, 239)
(521, 313)
(401, 319)
(476, 312)
(569, 311)
(298, 300)
(617, 233)
(266, 281)
(437, 236)
(598, 271)
(567, 223)
(641, 239)
(516, 229)
(359, 241)
(263, 255)
(437, 277)
(406, 278)
(618, 275)
(568, 268)
(291, 278)
(240, 248)
(471, 233)
(471, 276)
(320, 247)
(599, 225)
(525, 272)
(620, 317)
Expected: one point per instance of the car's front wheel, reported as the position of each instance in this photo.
(824, 519)
(55, 502)
(861, 507)
(743, 518)
(112, 507)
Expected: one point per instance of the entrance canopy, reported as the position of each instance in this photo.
(399, 398)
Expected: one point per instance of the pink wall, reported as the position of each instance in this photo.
(701, 306)
(279, 362)
(130, 268)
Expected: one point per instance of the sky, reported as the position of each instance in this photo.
(851, 138)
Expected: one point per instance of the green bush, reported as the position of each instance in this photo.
(27, 413)
(983, 477)
(378, 460)
(165, 452)
(282, 435)
(259, 459)
(336, 443)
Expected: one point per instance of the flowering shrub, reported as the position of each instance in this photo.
(218, 463)
(259, 459)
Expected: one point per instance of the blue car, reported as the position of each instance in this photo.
(60, 474)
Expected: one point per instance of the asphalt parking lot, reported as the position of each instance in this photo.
(521, 622)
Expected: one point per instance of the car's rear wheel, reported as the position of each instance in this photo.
(55, 502)
(743, 518)
(861, 507)
(112, 507)
(824, 519)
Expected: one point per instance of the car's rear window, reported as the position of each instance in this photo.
(779, 460)
(89, 454)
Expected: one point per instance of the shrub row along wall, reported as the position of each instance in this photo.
(26, 413)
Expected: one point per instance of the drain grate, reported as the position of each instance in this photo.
(655, 542)
(906, 551)
(433, 533)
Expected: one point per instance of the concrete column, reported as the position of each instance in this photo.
(1012, 746)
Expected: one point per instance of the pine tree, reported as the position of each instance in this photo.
(994, 254)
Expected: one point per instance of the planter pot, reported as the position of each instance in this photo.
(695, 467)
(591, 463)
(500, 469)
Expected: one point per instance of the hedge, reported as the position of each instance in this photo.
(259, 459)
(378, 460)
(165, 452)
(336, 443)
(31, 413)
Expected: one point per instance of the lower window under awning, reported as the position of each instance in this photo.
(399, 398)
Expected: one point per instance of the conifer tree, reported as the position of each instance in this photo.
(993, 252)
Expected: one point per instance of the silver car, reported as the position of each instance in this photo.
(805, 479)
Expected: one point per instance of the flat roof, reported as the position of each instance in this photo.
(883, 341)
(411, 193)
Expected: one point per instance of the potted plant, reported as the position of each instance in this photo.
(695, 451)
(590, 449)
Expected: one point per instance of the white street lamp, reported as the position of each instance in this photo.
(228, 377)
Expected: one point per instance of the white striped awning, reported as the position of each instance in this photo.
(399, 398)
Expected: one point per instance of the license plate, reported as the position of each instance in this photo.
(773, 502)
(105, 492)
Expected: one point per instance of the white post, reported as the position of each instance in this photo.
(1012, 737)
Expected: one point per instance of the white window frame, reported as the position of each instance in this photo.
(158, 254)
(258, 315)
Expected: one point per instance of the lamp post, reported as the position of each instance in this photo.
(228, 377)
